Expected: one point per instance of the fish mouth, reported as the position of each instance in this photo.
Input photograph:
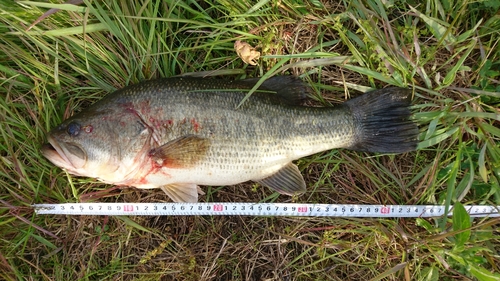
(67, 156)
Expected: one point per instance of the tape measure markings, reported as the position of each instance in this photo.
(258, 209)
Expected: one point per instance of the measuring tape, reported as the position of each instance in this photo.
(259, 209)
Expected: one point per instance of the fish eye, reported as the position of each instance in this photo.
(73, 129)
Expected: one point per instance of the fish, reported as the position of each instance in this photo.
(180, 133)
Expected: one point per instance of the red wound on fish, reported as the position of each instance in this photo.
(196, 125)
(154, 123)
(167, 123)
(129, 107)
(183, 152)
(88, 129)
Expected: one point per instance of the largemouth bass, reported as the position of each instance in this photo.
(178, 133)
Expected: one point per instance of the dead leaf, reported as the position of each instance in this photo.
(247, 53)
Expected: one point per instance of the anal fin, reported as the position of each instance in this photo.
(287, 180)
(182, 192)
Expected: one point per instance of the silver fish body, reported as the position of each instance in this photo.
(178, 133)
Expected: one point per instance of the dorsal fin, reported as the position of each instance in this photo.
(289, 89)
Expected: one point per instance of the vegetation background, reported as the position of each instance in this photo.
(53, 65)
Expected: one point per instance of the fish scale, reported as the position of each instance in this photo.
(261, 130)
(178, 133)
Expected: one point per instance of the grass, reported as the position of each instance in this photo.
(448, 52)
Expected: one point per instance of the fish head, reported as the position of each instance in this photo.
(64, 148)
(106, 145)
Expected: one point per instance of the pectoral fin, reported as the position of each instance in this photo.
(287, 180)
(182, 192)
(183, 152)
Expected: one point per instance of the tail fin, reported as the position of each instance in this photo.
(385, 124)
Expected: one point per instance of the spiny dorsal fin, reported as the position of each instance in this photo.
(287, 180)
(183, 152)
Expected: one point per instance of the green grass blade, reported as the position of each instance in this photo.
(461, 224)
(64, 7)
(90, 28)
